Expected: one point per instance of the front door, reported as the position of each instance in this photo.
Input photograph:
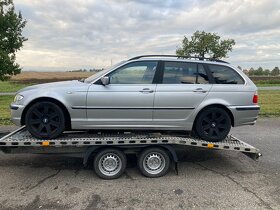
(127, 101)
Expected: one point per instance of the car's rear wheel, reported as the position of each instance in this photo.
(45, 120)
(213, 124)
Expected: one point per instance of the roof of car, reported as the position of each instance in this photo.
(176, 58)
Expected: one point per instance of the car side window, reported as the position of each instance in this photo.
(225, 75)
(184, 73)
(134, 73)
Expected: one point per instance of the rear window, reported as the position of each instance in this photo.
(225, 75)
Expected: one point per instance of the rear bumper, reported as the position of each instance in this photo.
(245, 115)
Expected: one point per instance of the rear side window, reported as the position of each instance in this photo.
(225, 75)
(184, 73)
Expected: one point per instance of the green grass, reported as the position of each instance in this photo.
(5, 109)
(269, 100)
(267, 82)
(9, 86)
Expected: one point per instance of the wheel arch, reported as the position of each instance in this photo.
(218, 106)
(49, 99)
(166, 147)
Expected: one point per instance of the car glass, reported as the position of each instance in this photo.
(225, 75)
(184, 73)
(141, 72)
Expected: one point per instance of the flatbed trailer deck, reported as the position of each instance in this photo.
(154, 150)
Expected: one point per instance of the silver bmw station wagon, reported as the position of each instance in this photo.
(149, 92)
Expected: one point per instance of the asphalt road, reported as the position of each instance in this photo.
(208, 179)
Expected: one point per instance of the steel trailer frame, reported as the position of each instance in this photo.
(84, 144)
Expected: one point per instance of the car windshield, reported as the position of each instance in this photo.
(98, 74)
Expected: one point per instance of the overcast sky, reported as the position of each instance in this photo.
(74, 34)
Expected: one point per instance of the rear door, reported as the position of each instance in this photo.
(230, 86)
(183, 87)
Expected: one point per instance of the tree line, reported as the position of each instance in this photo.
(262, 72)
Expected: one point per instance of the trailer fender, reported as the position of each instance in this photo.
(88, 154)
(174, 156)
(172, 152)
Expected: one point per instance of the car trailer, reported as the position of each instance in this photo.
(154, 151)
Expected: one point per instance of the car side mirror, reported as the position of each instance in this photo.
(105, 80)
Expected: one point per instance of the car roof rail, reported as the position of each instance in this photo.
(179, 56)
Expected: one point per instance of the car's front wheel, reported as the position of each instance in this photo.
(45, 120)
(213, 124)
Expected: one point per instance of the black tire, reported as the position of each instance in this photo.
(109, 163)
(45, 120)
(153, 162)
(213, 124)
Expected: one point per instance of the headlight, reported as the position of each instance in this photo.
(18, 97)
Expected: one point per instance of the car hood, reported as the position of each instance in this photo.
(56, 85)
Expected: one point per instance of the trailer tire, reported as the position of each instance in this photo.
(153, 162)
(109, 163)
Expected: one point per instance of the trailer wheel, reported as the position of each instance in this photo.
(109, 163)
(153, 162)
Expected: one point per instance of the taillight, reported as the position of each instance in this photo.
(255, 98)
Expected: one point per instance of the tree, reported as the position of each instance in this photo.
(266, 72)
(203, 44)
(11, 39)
(259, 71)
(251, 71)
(275, 71)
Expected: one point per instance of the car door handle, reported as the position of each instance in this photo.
(146, 90)
(200, 90)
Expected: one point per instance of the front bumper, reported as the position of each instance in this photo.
(245, 115)
(16, 112)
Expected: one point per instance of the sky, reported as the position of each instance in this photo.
(77, 34)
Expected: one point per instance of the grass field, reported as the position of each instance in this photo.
(12, 86)
(267, 82)
(30, 78)
(41, 77)
(5, 109)
(268, 100)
